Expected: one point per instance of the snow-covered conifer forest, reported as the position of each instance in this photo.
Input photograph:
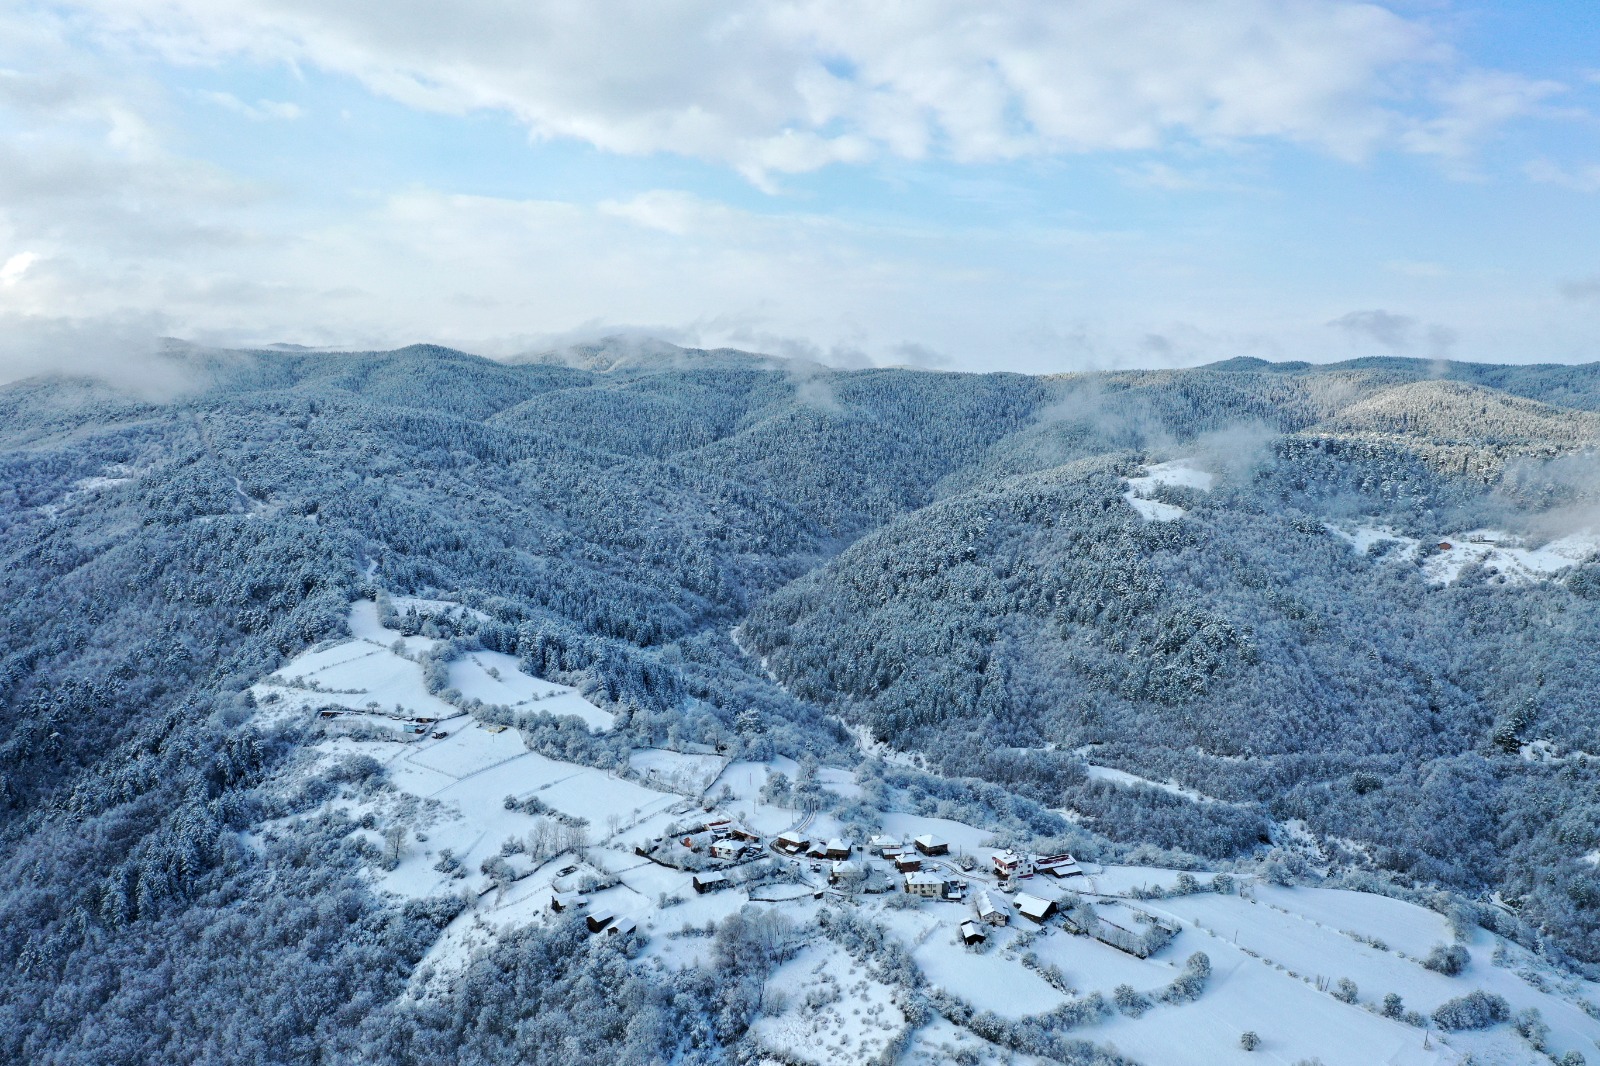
(411, 708)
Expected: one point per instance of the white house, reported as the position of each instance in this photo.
(991, 909)
(924, 883)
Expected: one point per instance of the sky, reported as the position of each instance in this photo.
(1005, 185)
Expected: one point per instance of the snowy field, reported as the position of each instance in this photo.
(826, 1010)
(1502, 554)
(497, 679)
(1180, 473)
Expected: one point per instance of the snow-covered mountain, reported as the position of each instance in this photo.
(409, 707)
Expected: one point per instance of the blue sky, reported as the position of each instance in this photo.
(1007, 185)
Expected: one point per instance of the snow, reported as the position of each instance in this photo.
(1122, 777)
(495, 678)
(1154, 510)
(1180, 473)
(368, 669)
(687, 773)
(356, 674)
(425, 607)
(1499, 552)
(988, 981)
(94, 484)
(834, 1013)
(1294, 1020)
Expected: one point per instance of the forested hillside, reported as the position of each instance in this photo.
(1301, 626)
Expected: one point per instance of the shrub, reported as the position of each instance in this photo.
(1475, 1010)
(1449, 961)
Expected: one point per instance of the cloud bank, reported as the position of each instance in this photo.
(791, 87)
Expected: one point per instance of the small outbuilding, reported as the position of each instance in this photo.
(622, 926)
(561, 902)
(704, 883)
(598, 920)
(882, 842)
(1034, 907)
(972, 933)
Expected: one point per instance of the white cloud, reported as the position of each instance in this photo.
(12, 270)
(260, 111)
(1473, 106)
(791, 87)
(1583, 178)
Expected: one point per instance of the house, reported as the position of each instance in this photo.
(598, 920)
(929, 844)
(845, 870)
(565, 901)
(907, 863)
(623, 926)
(790, 843)
(1011, 864)
(972, 933)
(1034, 907)
(727, 849)
(881, 842)
(991, 909)
(923, 883)
(837, 848)
(1063, 865)
(739, 832)
(704, 883)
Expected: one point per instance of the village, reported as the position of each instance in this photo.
(655, 853)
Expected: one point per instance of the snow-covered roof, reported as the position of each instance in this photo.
(985, 904)
(928, 840)
(1033, 906)
(924, 877)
